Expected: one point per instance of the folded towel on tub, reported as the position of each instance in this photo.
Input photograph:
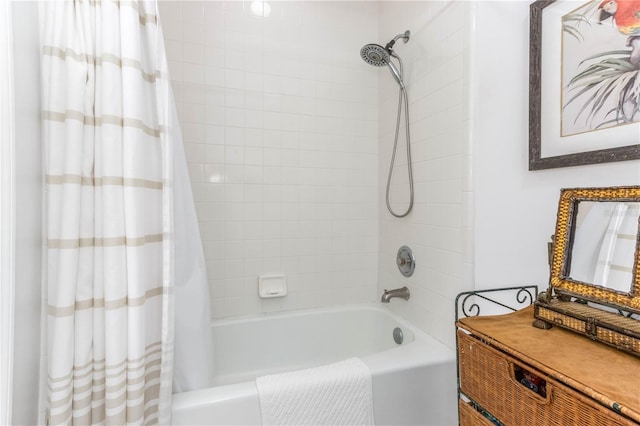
(334, 394)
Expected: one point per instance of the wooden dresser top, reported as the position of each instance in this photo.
(595, 369)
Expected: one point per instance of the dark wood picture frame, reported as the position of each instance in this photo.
(536, 161)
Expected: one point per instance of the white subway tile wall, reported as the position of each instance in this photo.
(279, 117)
(289, 134)
(437, 74)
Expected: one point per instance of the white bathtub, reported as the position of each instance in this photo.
(413, 383)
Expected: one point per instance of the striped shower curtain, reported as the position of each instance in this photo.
(109, 250)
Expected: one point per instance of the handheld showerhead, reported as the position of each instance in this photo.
(378, 56)
(396, 74)
(375, 55)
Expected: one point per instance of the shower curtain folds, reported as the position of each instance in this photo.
(108, 165)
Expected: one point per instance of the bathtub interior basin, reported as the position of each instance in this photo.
(413, 382)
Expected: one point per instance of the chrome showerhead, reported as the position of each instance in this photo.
(378, 56)
(375, 55)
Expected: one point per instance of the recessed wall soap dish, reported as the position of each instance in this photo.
(272, 286)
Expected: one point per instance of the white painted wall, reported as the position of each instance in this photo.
(28, 199)
(515, 209)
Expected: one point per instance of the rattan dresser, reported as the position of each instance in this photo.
(514, 374)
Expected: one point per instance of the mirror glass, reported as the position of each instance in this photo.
(604, 244)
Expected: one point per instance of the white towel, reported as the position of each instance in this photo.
(334, 394)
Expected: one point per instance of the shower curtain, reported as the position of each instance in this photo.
(109, 137)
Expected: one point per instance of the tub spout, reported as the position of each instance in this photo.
(402, 293)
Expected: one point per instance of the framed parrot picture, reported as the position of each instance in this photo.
(584, 82)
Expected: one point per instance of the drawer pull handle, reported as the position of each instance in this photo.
(531, 381)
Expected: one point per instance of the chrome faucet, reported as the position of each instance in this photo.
(402, 293)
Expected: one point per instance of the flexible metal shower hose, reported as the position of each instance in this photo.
(402, 95)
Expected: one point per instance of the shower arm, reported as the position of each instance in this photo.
(404, 36)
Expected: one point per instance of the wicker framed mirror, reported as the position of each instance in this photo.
(594, 286)
(596, 250)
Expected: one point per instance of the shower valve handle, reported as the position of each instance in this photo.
(404, 261)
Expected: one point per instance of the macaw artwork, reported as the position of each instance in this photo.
(600, 66)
